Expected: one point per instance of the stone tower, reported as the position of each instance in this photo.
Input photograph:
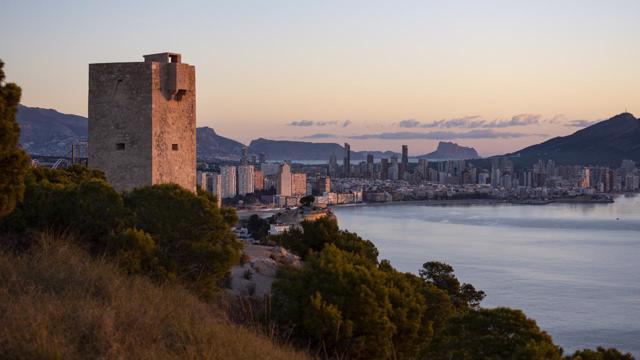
(142, 122)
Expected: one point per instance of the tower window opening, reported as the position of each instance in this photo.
(174, 147)
(119, 146)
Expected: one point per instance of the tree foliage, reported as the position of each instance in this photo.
(307, 200)
(193, 237)
(441, 276)
(257, 227)
(315, 235)
(14, 162)
(343, 304)
(497, 334)
(600, 354)
(163, 230)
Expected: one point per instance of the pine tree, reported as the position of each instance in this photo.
(14, 162)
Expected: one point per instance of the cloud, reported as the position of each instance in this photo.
(474, 122)
(581, 123)
(304, 123)
(444, 135)
(308, 123)
(319, 136)
(409, 123)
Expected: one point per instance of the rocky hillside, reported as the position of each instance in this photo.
(451, 151)
(48, 132)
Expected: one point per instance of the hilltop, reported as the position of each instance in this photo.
(604, 143)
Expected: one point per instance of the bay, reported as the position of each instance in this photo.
(574, 268)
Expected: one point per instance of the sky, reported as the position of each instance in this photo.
(495, 75)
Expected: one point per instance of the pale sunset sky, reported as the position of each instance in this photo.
(495, 75)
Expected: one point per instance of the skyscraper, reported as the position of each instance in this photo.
(283, 182)
(404, 168)
(370, 166)
(245, 179)
(298, 184)
(228, 180)
(384, 169)
(244, 159)
(215, 184)
(347, 160)
(333, 165)
(258, 180)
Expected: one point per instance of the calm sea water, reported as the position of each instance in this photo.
(574, 268)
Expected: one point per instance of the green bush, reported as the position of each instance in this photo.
(343, 303)
(600, 354)
(499, 334)
(315, 235)
(194, 240)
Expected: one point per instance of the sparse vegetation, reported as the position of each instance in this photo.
(57, 302)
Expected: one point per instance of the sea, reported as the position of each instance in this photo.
(574, 268)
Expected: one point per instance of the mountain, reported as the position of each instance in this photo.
(295, 150)
(451, 151)
(605, 143)
(212, 146)
(302, 150)
(48, 132)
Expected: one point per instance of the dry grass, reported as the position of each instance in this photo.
(58, 303)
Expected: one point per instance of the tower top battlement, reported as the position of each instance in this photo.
(165, 57)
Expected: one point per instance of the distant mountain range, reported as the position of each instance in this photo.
(604, 143)
(302, 150)
(48, 132)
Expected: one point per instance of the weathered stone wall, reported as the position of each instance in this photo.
(174, 125)
(142, 124)
(120, 113)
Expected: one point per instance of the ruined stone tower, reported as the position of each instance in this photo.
(142, 121)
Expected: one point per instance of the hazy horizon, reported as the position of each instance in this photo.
(494, 75)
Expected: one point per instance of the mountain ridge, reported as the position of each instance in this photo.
(604, 143)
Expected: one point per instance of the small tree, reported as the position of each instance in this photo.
(307, 200)
(499, 334)
(14, 162)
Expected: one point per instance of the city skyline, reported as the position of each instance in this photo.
(497, 76)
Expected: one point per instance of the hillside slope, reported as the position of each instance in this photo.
(49, 132)
(604, 143)
(58, 303)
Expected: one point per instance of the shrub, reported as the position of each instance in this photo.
(56, 302)
(498, 334)
(315, 235)
(194, 242)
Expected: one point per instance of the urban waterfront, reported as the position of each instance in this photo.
(574, 268)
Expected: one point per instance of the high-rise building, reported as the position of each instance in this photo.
(258, 180)
(347, 160)
(215, 186)
(245, 179)
(244, 159)
(228, 180)
(370, 173)
(283, 182)
(404, 168)
(384, 169)
(270, 168)
(586, 178)
(321, 185)
(422, 169)
(333, 165)
(394, 171)
(298, 184)
(142, 122)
